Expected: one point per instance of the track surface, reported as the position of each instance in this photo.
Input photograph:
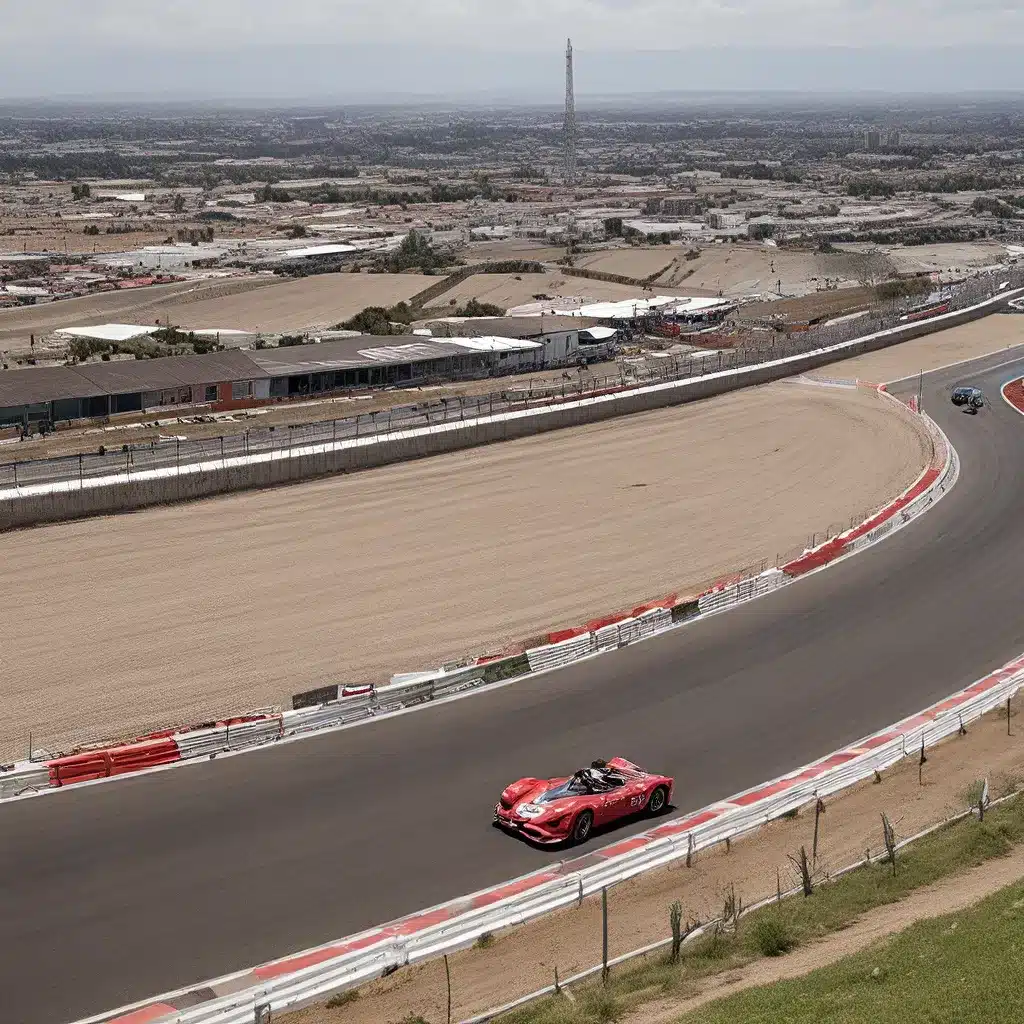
(117, 892)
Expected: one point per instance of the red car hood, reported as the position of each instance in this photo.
(526, 791)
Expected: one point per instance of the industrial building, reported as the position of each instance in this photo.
(39, 398)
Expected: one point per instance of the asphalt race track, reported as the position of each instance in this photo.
(119, 892)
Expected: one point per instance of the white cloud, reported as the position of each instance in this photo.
(514, 24)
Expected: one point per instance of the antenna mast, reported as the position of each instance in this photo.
(570, 119)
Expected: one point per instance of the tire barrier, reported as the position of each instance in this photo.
(314, 975)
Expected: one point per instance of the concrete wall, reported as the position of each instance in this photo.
(34, 510)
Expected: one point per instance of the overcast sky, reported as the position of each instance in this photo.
(64, 47)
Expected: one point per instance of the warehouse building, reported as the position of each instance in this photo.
(39, 398)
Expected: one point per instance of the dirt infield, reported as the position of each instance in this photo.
(745, 270)
(137, 305)
(174, 615)
(317, 302)
(511, 290)
(991, 334)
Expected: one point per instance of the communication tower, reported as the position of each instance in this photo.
(570, 119)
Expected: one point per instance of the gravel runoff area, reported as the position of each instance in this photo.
(177, 614)
(524, 959)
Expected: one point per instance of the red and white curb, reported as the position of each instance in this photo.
(1013, 394)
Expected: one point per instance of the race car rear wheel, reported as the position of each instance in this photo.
(657, 802)
(582, 826)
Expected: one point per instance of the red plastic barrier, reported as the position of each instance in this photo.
(66, 771)
(650, 606)
(139, 756)
(565, 634)
(816, 559)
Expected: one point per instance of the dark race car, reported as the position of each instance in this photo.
(569, 809)
(971, 399)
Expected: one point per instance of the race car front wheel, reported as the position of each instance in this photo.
(657, 802)
(581, 830)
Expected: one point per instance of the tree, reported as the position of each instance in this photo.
(178, 203)
(475, 308)
(80, 192)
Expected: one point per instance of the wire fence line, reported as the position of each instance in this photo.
(756, 348)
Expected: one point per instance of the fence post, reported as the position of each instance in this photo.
(222, 450)
(128, 462)
(81, 481)
(334, 429)
(15, 474)
(177, 456)
(604, 935)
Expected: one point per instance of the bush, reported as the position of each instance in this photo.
(772, 937)
(474, 308)
(342, 999)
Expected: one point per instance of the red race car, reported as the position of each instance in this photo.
(568, 810)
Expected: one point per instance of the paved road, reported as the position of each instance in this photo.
(119, 892)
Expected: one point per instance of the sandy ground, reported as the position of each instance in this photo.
(746, 270)
(310, 302)
(944, 257)
(639, 263)
(513, 249)
(524, 960)
(139, 305)
(239, 602)
(992, 334)
(511, 290)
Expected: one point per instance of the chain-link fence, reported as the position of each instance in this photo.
(173, 454)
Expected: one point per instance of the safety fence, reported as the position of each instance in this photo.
(333, 706)
(346, 964)
(174, 456)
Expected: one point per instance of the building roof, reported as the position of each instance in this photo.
(506, 326)
(36, 385)
(89, 380)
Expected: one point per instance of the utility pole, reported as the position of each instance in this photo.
(570, 118)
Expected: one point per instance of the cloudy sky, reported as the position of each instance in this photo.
(439, 47)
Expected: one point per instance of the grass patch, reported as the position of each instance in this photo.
(779, 928)
(508, 668)
(686, 610)
(485, 941)
(964, 967)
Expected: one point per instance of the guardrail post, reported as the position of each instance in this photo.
(15, 474)
(177, 456)
(81, 481)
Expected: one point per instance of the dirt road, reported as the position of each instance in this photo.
(173, 615)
